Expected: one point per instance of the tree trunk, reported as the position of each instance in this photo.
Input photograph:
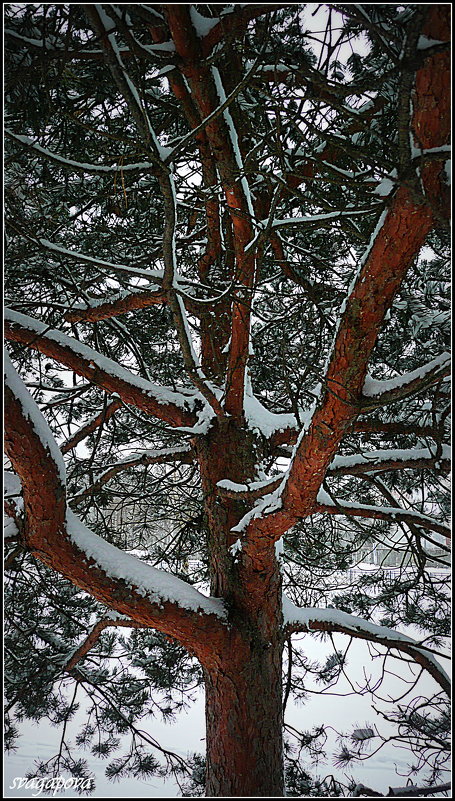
(244, 720)
(243, 677)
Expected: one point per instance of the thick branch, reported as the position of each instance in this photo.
(399, 235)
(112, 308)
(54, 535)
(367, 462)
(161, 402)
(297, 619)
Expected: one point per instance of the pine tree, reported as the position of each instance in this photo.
(227, 320)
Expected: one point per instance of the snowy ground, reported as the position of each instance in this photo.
(187, 735)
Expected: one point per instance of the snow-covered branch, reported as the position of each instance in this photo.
(393, 459)
(233, 22)
(334, 620)
(54, 534)
(325, 218)
(335, 411)
(409, 791)
(162, 402)
(326, 504)
(104, 26)
(174, 300)
(59, 250)
(357, 464)
(379, 393)
(79, 166)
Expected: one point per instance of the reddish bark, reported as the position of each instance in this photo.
(129, 393)
(45, 535)
(400, 238)
(104, 311)
(403, 232)
(244, 719)
(242, 660)
(214, 329)
(432, 117)
(205, 96)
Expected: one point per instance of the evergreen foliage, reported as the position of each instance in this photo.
(315, 132)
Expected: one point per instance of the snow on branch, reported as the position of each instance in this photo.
(79, 166)
(378, 393)
(327, 217)
(30, 411)
(267, 493)
(233, 21)
(216, 112)
(156, 585)
(104, 26)
(313, 619)
(183, 454)
(234, 139)
(162, 402)
(326, 504)
(409, 791)
(175, 301)
(381, 271)
(154, 275)
(58, 538)
(391, 459)
(55, 49)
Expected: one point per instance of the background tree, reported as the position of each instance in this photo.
(227, 296)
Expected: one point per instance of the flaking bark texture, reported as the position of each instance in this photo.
(244, 719)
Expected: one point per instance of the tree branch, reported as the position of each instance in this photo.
(164, 456)
(410, 791)
(380, 393)
(87, 429)
(162, 402)
(397, 459)
(398, 237)
(55, 536)
(391, 514)
(130, 301)
(298, 619)
(93, 638)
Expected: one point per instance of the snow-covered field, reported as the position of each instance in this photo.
(339, 709)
